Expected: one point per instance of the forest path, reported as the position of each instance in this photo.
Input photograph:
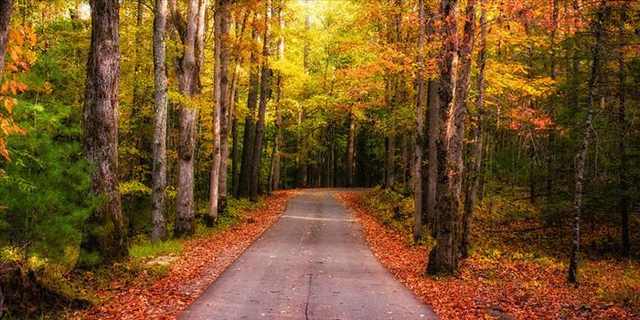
(311, 264)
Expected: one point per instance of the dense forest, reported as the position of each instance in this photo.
(131, 125)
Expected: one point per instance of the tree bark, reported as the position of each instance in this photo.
(225, 108)
(248, 140)
(421, 101)
(6, 8)
(351, 139)
(106, 227)
(274, 181)
(443, 258)
(265, 93)
(218, 179)
(473, 182)
(187, 84)
(581, 155)
(429, 198)
(159, 171)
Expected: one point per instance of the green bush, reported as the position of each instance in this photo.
(45, 188)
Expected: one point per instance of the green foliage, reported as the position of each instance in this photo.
(45, 188)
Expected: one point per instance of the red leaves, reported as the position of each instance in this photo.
(201, 262)
(486, 288)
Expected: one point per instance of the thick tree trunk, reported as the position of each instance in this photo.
(473, 182)
(443, 258)
(265, 93)
(421, 101)
(6, 7)
(159, 171)
(351, 141)
(581, 155)
(106, 227)
(248, 140)
(187, 84)
(200, 42)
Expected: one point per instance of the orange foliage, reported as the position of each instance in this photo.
(20, 58)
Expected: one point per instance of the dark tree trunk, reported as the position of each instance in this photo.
(351, 141)
(106, 229)
(431, 181)
(6, 7)
(475, 167)
(248, 140)
(623, 201)
(444, 257)
(265, 94)
(581, 155)
(187, 84)
(274, 180)
(159, 171)
(421, 101)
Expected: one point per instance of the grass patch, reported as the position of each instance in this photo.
(146, 250)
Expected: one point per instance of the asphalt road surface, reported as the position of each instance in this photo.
(311, 264)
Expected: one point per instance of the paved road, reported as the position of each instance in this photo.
(312, 264)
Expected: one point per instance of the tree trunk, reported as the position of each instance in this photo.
(581, 156)
(421, 101)
(351, 139)
(6, 7)
(225, 106)
(218, 179)
(265, 93)
(187, 84)
(431, 181)
(200, 42)
(623, 201)
(106, 227)
(159, 171)
(248, 140)
(473, 182)
(274, 181)
(443, 258)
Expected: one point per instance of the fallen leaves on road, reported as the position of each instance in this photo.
(201, 262)
(486, 288)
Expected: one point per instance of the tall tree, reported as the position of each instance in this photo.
(6, 7)
(106, 227)
(219, 110)
(623, 201)
(159, 170)
(187, 85)
(226, 99)
(265, 94)
(421, 104)
(475, 167)
(248, 140)
(444, 257)
(581, 155)
(274, 176)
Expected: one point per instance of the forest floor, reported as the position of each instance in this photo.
(186, 275)
(505, 277)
